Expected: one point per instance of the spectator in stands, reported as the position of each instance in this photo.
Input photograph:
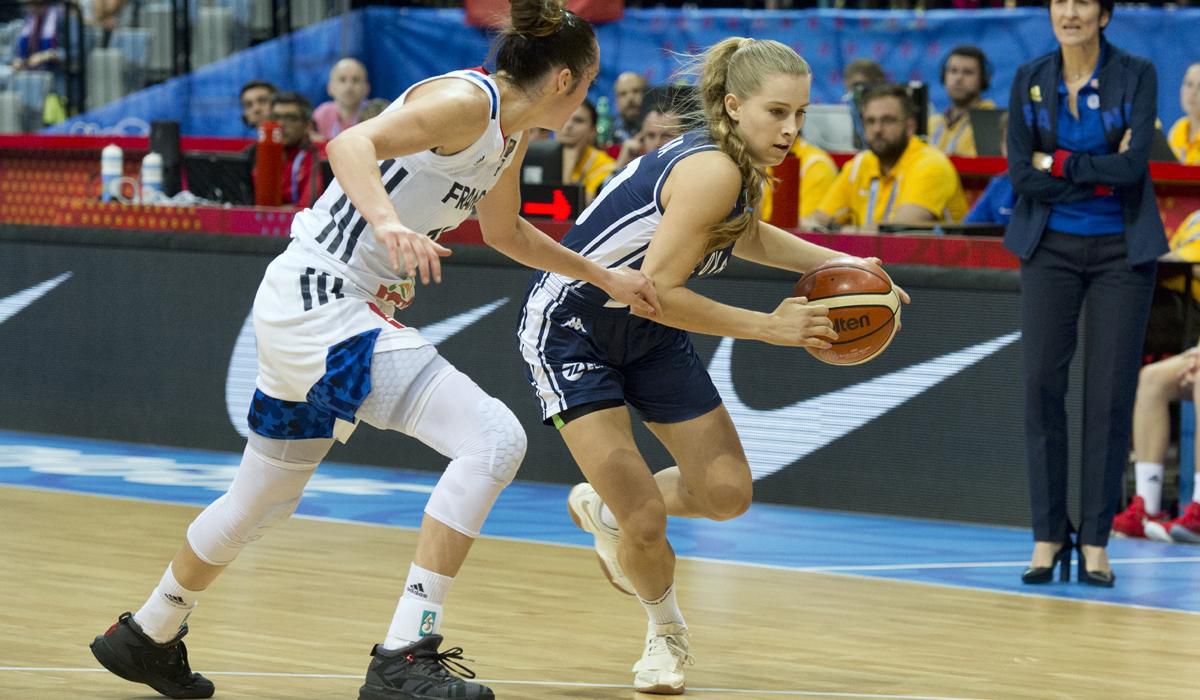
(817, 173)
(348, 86)
(630, 88)
(1185, 133)
(658, 127)
(1087, 228)
(995, 205)
(899, 180)
(39, 48)
(373, 108)
(965, 75)
(583, 163)
(862, 73)
(255, 99)
(301, 176)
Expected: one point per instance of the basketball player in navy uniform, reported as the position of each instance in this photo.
(333, 349)
(677, 213)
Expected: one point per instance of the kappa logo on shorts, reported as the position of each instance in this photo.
(574, 370)
(575, 324)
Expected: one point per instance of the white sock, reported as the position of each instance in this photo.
(664, 610)
(419, 612)
(165, 611)
(1149, 485)
(607, 518)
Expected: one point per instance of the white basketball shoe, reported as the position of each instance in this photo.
(660, 670)
(584, 505)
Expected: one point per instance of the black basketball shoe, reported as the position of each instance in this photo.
(420, 672)
(126, 651)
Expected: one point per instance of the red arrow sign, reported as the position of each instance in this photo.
(559, 209)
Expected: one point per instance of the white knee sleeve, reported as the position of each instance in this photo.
(265, 491)
(486, 456)
(443, 408)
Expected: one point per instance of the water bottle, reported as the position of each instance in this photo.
(604, 128)
(152, 174)
(112, 165)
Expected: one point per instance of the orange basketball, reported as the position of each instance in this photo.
(863, 306)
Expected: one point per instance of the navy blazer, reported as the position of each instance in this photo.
(1128, 100)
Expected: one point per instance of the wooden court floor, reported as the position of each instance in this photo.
(295, 616)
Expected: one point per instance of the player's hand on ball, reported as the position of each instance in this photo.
(798, 323)
(904, 297)
(410, 252)
(899, 290)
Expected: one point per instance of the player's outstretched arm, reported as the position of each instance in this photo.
(505, 230)
(701, 191)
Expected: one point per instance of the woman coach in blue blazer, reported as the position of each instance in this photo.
(1086, 226)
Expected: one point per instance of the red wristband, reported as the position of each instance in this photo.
(1060, 159)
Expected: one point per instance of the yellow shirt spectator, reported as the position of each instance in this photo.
(923, 176)
(1185, 145)
(817, 173)
(1185, 244)
(957, 139)
(592, 168)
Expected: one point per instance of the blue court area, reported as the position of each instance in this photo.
(1149, 574)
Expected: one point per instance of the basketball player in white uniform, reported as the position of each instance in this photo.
(676, 214)
(333, 348)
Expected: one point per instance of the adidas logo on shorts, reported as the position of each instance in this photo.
(576, 325)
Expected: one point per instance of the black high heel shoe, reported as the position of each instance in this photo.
(1104, 579)
(1045, 574)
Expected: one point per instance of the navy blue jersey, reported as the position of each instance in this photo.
(615, 230)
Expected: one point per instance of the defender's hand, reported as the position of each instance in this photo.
(635, 289)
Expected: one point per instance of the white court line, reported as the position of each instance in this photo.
(848, 571)
(549, 684)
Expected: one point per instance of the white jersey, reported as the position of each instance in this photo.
(431, 193)
(330, 300)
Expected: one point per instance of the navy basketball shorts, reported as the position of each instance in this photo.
(576, 354)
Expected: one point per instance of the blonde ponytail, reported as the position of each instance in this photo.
(737, 66)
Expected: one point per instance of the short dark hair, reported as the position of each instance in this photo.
(969, 51)
(878, 92)
(257, 84)
(293, 98)
(870, 69)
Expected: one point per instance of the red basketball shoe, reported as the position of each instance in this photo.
(1131, 522)
(1185, 528)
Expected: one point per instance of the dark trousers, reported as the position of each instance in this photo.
(1063, 272)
